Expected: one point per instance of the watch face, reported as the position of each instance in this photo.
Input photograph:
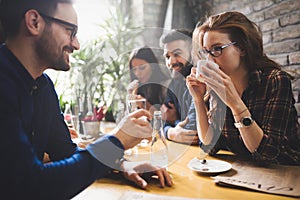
(247, 121)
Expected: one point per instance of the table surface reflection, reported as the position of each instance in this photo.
(187, 183)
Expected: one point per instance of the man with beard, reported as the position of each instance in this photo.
(178, 109)
(41, 34)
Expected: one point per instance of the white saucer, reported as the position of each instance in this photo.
(210, 166)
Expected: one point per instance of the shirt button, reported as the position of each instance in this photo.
(32, 133)
(34, 87)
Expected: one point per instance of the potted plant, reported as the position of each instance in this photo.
(101, 67)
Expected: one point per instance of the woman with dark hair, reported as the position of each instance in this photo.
(148, 79)
(251, 106)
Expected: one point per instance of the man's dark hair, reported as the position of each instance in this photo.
(176, 34)
(12, 12)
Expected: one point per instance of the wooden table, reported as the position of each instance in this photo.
(187, 183)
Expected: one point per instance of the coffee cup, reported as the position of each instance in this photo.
(204, 63)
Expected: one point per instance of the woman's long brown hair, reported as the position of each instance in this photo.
(245, 33)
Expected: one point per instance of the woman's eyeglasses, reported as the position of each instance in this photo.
(72, 27)
(217, 50)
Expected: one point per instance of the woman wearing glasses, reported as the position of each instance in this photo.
(251, 107)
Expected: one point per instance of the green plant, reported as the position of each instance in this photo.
(101, 67)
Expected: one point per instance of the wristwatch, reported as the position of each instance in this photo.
(244, 122)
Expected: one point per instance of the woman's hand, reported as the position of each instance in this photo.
(197, 89)
(132, 87)
(221, 84)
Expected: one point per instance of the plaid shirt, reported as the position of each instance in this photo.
(270, 100)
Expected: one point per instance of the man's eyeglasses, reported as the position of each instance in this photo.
(72, 27)
(217, 50)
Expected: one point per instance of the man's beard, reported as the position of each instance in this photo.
(185, 70)
(47, 50)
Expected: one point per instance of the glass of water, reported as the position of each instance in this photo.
(135, 102)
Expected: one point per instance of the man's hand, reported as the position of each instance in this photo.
(182, 135)
(132, 128)
(137, 172)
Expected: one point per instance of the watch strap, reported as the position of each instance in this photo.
(244, 122)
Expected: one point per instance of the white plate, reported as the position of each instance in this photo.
(211, 166)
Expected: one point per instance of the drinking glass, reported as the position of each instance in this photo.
(134, 103)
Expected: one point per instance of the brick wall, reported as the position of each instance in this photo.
(150, 16)
(279, 21)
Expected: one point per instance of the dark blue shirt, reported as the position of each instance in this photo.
(32, 124)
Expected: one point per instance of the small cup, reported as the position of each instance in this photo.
(204, 63)
(135, 104)
(91, 128)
